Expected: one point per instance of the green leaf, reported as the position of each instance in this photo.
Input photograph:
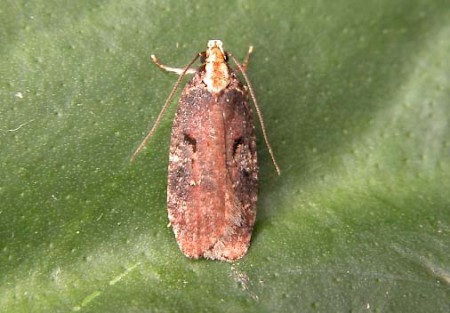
(356, 100)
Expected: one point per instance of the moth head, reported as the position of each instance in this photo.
(215, 52)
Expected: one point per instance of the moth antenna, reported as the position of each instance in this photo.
(258, 111)
(163, 110)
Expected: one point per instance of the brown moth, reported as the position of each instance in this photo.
(213, 171)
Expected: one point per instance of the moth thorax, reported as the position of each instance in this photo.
(217, 72)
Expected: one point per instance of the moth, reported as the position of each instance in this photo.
(213, 170)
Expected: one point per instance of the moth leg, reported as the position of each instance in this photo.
(247, 58)
(175, 70)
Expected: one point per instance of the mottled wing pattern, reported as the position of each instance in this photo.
(212, 187)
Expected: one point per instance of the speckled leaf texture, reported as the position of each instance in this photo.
(356, 100)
